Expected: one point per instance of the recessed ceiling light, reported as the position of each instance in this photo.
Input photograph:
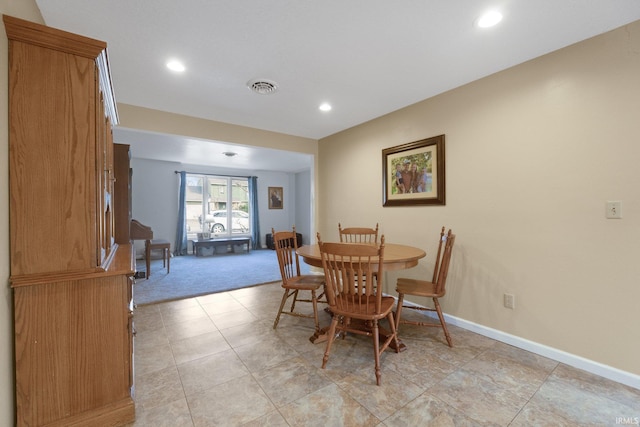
(176, 66)
(325, 106)
(489, 19)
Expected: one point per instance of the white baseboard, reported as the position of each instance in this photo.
(596, 368)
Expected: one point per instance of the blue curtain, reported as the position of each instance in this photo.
(181, 233)
(253, 205)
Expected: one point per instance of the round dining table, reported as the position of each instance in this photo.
(395, 257)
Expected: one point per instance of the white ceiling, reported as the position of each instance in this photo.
(366, 57)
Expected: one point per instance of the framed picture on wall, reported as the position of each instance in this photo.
(413, 173)
(275, 198)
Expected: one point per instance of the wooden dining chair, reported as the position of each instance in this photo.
(293, 282)
(355, 295)
(358, 234)
(433, 289)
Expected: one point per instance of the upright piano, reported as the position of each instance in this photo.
(139, 231)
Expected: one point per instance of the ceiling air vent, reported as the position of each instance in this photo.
(262, 86)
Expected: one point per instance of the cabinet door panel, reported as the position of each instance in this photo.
(52, 178)
(73, 347)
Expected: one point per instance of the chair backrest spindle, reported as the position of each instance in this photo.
(286, 246)
(353, 274)
(443, 270)
(362, 235)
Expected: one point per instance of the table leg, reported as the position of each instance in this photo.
(320, 336)
(147, 256)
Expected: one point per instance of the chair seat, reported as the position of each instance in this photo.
(305, 282)
(422, 288)
(364, 310)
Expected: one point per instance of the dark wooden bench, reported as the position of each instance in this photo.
(229, 242)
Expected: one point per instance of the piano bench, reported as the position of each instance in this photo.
(157, 244)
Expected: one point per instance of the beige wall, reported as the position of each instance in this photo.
(25, 9)
(162, 122)
(532, 155)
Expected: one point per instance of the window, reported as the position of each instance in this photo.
(218, 205)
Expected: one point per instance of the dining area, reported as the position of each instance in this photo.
(350, 283)
(217, 359)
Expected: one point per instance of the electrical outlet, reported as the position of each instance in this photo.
(614, 210)
(509, 301)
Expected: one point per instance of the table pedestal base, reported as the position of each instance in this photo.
(323, 334)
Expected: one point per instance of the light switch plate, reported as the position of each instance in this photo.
(614, 209)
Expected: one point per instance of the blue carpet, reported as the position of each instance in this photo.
(193, 276)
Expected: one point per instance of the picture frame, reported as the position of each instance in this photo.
(275, 198)
(414, 173)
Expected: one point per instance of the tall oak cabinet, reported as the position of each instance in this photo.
(71, 280)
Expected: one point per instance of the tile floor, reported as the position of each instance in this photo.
(215, 360)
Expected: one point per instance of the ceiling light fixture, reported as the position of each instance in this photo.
(489, 19)
(325, 106)
(230, 153)
(176, 66)
(262, 86)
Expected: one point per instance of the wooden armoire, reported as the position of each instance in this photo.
(71, 281)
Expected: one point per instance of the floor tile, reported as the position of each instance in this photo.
(216, 360)
(511, 368)
(272, 419)
(207, 372)
(569, 402)
(202, 345)
(190, 328)
(247, 333)
(158, 388)
(173, 414)
(153, 359)
(598, 385)
(422, 368)
(329, 406)
(181, 315)
(150, 338)
(291, 380)
(480, 400)
(393, 393)
(264, 354)
(232, 318)
(232, 403)
(427, 410)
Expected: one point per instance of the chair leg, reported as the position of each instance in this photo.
(295, 298)
(314, 301)
(284, 299)
(332, 332)
(442, 322)
(399, 309)
(376, 349)
(394, 331)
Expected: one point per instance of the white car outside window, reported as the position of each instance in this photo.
(216, 221)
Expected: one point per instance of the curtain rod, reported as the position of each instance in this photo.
(215, 174)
